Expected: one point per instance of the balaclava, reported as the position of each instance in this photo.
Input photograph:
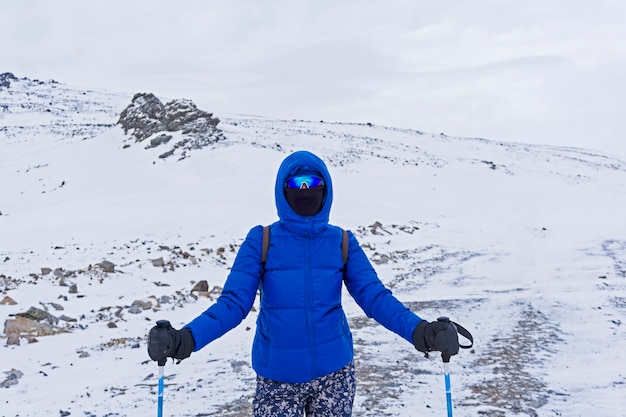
(306, 201)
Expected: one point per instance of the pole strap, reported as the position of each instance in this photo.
(465, 333)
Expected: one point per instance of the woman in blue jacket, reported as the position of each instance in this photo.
(302, 351)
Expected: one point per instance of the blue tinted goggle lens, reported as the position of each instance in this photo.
(304, 181)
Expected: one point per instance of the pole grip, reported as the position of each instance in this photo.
(163, 324)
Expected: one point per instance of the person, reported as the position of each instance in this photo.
(302, 351)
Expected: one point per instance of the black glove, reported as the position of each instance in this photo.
(440, 335)
(166, 342)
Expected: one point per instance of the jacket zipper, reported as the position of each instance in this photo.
(309, 308)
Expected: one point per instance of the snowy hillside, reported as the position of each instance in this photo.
(100, 237)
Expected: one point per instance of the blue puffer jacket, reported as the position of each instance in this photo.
(302, 332)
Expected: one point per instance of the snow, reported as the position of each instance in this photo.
(524, 245)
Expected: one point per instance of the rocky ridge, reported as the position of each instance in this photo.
(29, 108)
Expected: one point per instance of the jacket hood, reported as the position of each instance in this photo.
(302, 161)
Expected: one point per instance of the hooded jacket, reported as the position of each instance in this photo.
(302, 332)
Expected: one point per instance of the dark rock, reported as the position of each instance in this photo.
(12, 378)
(38, 314)
(107, 266)
(144, 116)
(159, 140)
(183, 115)
(6, 79)
(201, 286)
(167, 154)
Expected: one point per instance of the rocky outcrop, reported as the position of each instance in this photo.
(6, 79)
(34, 322)
(143, 117)
(147, 117)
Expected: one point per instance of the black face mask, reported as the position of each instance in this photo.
(306, 201)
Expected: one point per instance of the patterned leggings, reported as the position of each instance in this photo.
(330, 395)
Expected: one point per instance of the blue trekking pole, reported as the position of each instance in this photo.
(446, 375)
(161, 324)
(160, 392)
(445, 357)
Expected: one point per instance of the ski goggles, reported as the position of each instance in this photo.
(304, 181)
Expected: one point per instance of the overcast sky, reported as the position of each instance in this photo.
(536, 71)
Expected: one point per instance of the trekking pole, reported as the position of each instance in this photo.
(161, 324)
(446, 359)
(160, 392)
(446, 374)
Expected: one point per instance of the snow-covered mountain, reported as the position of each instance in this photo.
(100, 236)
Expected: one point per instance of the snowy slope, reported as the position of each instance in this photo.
(524, 245)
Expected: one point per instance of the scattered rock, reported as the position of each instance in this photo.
(12, 378)
(39, 315)
(22, 326)
(45, 271)
(57, 307)
(13, 339)
(73, 289)
(201, 286)
(8, 300)
(159, 140)
(381, 260)
(377, 227)
(107, 266)
(145, 305)
(139, 306)
(158, 262)
(167, 154)
(135, 310)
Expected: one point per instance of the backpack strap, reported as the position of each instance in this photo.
(344, 247)
(265, 247)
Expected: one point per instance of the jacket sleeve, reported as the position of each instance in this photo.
(373, 297)
(237, 296)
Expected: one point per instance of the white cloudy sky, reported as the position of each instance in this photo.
(528, 71)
